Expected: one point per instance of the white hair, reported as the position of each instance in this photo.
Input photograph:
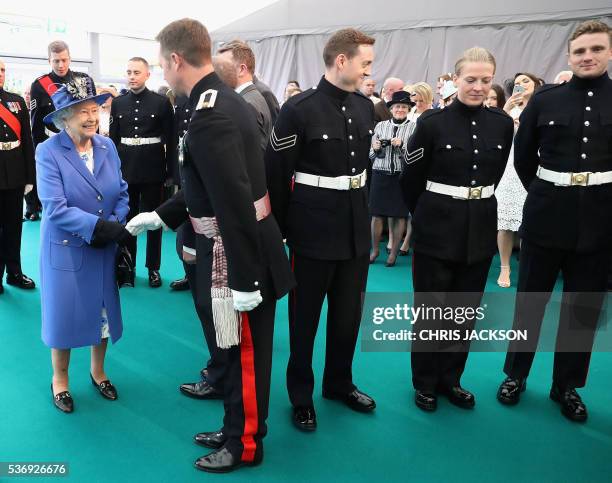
(59, 120)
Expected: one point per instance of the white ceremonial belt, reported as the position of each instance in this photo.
(586, 178)
(139, 141)
(7, 146)
(49, 133)
(461, 192)
(342, 183)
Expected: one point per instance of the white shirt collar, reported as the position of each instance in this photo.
(242, 87)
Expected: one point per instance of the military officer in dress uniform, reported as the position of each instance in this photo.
(563, 153)
(16, 178)
(225, 193)
(454, 161)
(142, 129)
(320, 146)
(40, 105)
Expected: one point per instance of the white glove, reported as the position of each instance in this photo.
(28, 188)
(144, 222)
(246, 301)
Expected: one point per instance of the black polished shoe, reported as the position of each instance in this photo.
(105, 388)
(155, 280)
(460, 397)
(180, 284)
(20, 280)
(510, 390)
(305, 418)
(571, 403)
(213, 440)
(427, 401)
(404, 253)
(356, 400)
(200, 390)
(222, 461)
(62, 401)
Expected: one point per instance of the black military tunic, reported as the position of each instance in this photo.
(16, 170)
(565, 128)
(145, 167)
(223, 174)
(454, 239)
(41, 105)
(324, 131)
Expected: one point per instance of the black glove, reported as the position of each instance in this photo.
(107, 232)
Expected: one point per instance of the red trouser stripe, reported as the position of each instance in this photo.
(249, 391)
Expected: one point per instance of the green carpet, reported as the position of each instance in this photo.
(147, 434)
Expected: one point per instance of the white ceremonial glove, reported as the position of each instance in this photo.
(144, 222)
(28, 188)
(246, 301)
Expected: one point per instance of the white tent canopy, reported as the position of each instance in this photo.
(414, 40)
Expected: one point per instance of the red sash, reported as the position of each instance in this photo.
(11, 121)
(48, 85)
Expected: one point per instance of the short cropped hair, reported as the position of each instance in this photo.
(345, 41)
(140, 59)
(590, 27)
(188, 38)
(241, 52)
(56, 47)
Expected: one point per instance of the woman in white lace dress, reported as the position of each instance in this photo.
(510, 192)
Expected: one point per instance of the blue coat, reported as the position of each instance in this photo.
(77, 280)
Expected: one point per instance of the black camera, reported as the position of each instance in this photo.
(384, 144)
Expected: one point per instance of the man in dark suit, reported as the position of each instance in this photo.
(269, 96)
(243, 269)
(242, 58)
(563, 156)
(16, 178)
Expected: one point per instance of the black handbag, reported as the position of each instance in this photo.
(124, 268)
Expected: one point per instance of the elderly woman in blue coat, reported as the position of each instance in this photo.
(85, 203)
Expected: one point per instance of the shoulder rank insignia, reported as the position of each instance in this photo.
(278, 144)
(207, 99)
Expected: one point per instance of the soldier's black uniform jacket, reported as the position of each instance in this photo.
(223, 174)
(41, 105)
(460, 146)
(182, 115)
(323, 131)
(567, 128)
(16, 165)
(144, 115)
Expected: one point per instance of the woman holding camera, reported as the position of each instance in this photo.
(510, 193)
(389, 139)
(85, 203)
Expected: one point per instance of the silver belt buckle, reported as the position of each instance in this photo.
(475, 193)
(580, 179)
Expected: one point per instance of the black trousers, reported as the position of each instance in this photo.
(33, 204)
(438, 365)
(585, 278)
(199, 276)
(343, 282)
(146, 197)
(247, 383)
(11, 209)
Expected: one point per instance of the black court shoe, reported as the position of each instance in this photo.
(105, 388)
(460, 397)
(200, 390)
(180, 284)
(305, 418)
(427, 401)
(63, 401)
